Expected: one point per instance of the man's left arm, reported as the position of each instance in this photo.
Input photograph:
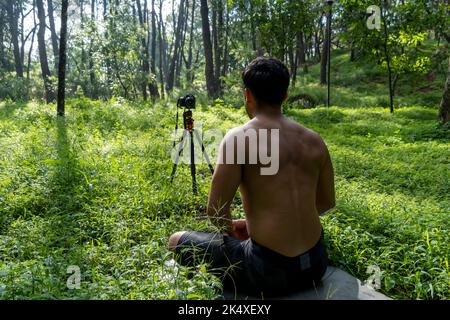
(225, 182)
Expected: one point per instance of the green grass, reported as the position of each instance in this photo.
(93, 191)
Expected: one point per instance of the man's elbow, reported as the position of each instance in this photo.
(325, 207)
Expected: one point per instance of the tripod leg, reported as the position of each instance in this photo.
(179, 152)
(205, 154)
(194, 181)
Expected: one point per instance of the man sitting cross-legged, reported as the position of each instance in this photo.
(279, 247)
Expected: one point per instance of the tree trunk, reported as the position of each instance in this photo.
(2, 49)
(217, 27)
(324, 58)
(11, 11)
(53, 32)
(189, 71)
(107, 59)
(444, 109)
(225, 44)
(93, 81)
(22, 39)
(317, 52)
(178, 35)
(31, 45)
(352, 52)
(144, 53)
(84, 83)
(49, 93)
(207, 45)
(62, 60)
(154, 86)
(388, 59)
(179, 64)
(302, 52)
(161, 49)
(2, 36)
(252, 27)
(293, 62)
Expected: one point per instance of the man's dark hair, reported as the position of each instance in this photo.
(267, 79)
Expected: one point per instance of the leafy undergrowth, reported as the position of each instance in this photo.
(93, 190)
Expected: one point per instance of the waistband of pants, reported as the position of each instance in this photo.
(306, 259)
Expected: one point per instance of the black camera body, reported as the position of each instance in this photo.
(188, 102)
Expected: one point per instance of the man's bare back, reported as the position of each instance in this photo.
(281, 209)
(279, 246)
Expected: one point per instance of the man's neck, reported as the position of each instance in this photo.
(268, 112)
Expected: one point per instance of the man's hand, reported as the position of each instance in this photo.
(239, 229)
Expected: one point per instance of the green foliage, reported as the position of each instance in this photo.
(12, 87)
(363, 84)
(408, 24)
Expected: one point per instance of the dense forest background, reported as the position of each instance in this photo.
(146, 49)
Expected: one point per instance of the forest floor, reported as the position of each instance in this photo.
(93, 191)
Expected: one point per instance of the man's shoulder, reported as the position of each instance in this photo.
(307, 133)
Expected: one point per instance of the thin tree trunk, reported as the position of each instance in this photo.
(216, 40)
(252, 27)
(2, 35)
(166, 44)
(49, 93)
(352, 52)
(225, 43)
(317, 52)
(180, 59)
(161, 50)
(171, 75)
(189, 70)
(324, 57)
(53, 32)
(93, 81)
(293, 62)
(31, 48)
(32, 43)
(209, 67)
(444, 108)
(62, 60)
(144, 53)
(22, 40)
(388, 59)
(155, 94)
(302, 52)
(29, 54)
(13, 25)
(161, 37)
(84, 83)
(107, 59)
(219, 50)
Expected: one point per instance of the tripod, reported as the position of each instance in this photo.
(188, 122)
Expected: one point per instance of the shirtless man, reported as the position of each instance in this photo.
(278, 248)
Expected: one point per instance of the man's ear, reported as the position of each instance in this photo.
(248, 96)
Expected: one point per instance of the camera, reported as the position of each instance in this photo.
(187, 101)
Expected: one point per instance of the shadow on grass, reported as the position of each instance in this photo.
(65, 189)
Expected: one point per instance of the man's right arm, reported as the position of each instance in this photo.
(325, 193)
